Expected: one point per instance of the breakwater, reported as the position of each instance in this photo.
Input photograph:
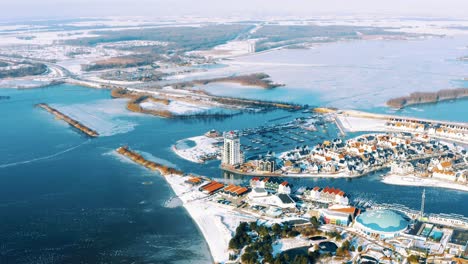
(139, 159)
(72, 122)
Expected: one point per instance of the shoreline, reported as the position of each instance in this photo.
(411, 180)
(215, 222)
(443, 100)
(418, 98)
(209, 217)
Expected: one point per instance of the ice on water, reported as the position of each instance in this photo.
(105, 116)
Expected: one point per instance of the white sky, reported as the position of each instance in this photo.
(21, 9)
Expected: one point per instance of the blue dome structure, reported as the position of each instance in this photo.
(386, 223)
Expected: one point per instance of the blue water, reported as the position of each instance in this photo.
(452, 110)
(65, 198)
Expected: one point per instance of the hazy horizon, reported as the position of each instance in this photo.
(59, 9)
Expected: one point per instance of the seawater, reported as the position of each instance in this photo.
(451, 110)
(65, 198)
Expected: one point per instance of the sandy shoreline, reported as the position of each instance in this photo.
(411, 180)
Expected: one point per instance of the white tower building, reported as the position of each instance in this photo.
(423, 200)
(231, 151)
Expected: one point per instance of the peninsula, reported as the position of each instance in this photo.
(428, 97)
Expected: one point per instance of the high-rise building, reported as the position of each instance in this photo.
(231, 152)
(423, 200)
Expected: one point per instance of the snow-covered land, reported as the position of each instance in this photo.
(355, 124)
(411, 180)
(176, 107)
(204, 146)
(217, 223)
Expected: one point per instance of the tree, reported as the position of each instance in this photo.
(234, 243)
(249, 258)
(345, 244)
(276, 228)
(339, 251)
(253, 226)
(314, 221)
(278, 261)
(413, 259)
(300, 259)
(352, 248)
(263, 231)
(268, 258)
(359, 249)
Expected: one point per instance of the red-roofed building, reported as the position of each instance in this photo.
(327, 195)
(255, 182)
(284, 187)
(235, 190)
(212, 187)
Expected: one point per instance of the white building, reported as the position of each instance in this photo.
(402, 168)
(231, 151)
(284, 187)
(444, 175)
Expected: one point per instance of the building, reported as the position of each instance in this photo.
(257, 192)
(338, 216)
(444, 175)
(231, 152)
(266, 164)
(194, 181)
(211, 187)
(235, 191)
(401, 168)
(327, 195)
(381, 222)
(284, 187)
(285, 201)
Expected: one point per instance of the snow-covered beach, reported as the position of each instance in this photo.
(411, 180)
(204, 146)
(216, 223)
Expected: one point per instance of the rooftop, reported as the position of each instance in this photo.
(383, 220)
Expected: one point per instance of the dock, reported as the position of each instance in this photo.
(72, 122)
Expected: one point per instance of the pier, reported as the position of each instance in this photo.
(139, 159)
(72, 122)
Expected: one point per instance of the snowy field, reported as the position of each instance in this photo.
(176, 107)
(216, 223)
(203, 146)
(410, 180)
(356, 124)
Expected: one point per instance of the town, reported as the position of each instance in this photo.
(413, 158)
(317, 222)
(323, 222)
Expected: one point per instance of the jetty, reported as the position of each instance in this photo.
(72, 122)
(139, 159)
